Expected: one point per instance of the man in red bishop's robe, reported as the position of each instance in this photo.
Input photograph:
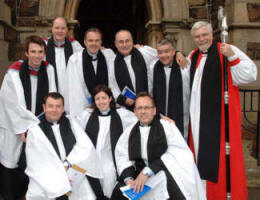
(207, 135)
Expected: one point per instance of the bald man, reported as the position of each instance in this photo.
(130, 68)
(59, 48)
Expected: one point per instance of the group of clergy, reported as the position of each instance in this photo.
(69, 131)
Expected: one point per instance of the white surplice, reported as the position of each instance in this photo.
(46, 171)
(242, 73)
(78, 93)
(178, 159)
(60, 61)
(15, 118)
(149, 54)
(103, 145)
(185, 73)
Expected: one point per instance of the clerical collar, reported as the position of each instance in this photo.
(168, 66)
(204, 52)
(144, 125)
(105, 113)
(59, 44)
(34, 69)
(93, 56)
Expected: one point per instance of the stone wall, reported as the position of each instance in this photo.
(7, 35)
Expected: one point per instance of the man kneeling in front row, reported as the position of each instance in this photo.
(55, 147)
(153, 145)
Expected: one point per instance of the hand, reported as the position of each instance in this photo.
(138, 46)
(130, 182)
(129, 102)
(23, 136)
(226, 50)
(167, 119)
(102, 48)
(181, 60)
(139, 182)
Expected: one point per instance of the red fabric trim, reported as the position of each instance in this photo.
(32, 72)
(59, 46)
(46, 63)
(16, 66)
(70, 39)
(198, 61)
(191, 144)
(234, 62)
(191, 55)
(217, 191)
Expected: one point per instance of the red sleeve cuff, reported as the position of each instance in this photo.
(234, 62)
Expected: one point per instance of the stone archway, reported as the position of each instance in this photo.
(154, 10)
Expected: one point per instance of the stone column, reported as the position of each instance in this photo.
(175, 23)
(244, 27)
(70, 13)
(154, 33)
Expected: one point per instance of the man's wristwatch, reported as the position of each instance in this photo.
(145, 171)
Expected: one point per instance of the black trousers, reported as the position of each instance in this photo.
(172, 187)
(13, 183)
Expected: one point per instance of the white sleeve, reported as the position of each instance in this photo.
(76, 46)
(83, 118)
(186, 99)
(83, 153)
(245, 71)
(150, 76)
(77, 90)
(121, 152)
(44, 167)
(150, 56)
(51, 78)
(127, 117)
(14, 115)
(112, 80)
(180, 162)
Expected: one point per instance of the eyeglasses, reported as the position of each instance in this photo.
(145, 108)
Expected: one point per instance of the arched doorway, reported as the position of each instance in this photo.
(111, 16)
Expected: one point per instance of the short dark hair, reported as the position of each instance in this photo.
(34, 39)
(107, 90)
(54, 95)
(144, 94)
(165, 41)
(93, 29)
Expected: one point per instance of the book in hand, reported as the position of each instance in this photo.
(127, 92)
(158, 188)
(76, 175)
(131, 195)
(89, 99)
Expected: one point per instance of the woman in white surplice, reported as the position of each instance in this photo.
(104, 125)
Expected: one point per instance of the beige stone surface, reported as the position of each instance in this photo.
(240, 12)
(4, 63)
(5, 12)
(1, 32)
(196, 2)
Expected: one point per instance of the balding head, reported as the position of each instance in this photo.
(124, 42)
(59, 29)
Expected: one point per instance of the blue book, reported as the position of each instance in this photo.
(89, 100)
(127, 92)
(40, 116)
(130, 194)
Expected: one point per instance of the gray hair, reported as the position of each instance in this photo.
(199, 24)
(165, 41)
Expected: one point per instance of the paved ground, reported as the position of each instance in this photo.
(252, 171)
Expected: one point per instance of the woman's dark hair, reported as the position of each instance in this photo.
(103, 88)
